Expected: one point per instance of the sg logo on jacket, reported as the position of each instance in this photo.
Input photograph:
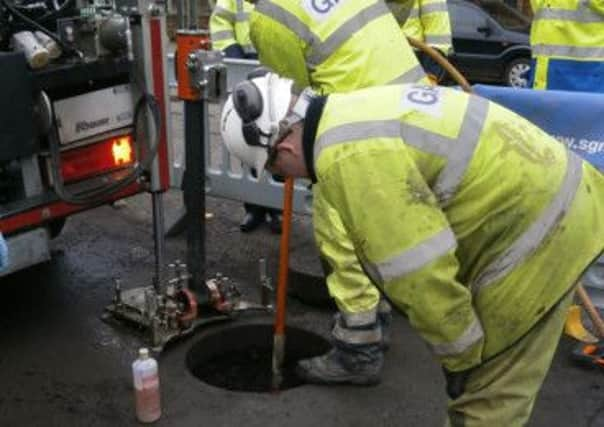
(424, 98)
(321, 9)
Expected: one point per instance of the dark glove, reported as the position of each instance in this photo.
(431, 66)
(234, 51)
(456, 382)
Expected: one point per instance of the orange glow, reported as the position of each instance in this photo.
(98, 158)
(122, 151)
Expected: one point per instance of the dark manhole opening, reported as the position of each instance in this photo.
(239, 358)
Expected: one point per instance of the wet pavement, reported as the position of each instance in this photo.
(61, 365)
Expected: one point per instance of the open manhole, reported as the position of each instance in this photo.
(239, 358)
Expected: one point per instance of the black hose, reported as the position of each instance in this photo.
(50, 15)
(99, 195)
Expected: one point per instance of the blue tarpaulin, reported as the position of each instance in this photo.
(574, 118)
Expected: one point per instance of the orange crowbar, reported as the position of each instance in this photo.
(279, 331)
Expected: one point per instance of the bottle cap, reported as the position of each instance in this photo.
(143, 353)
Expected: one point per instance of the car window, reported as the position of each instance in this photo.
(505, 15)
(465, 18)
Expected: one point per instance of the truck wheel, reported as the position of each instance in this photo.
(56, 226)
(517, 72)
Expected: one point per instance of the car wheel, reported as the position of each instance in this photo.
(517, 72)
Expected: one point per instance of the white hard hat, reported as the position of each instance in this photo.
(255, 115)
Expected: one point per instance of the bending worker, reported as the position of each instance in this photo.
(567, 44)
(230, 33)
(334, 47)
(474, 222)
(428, 22)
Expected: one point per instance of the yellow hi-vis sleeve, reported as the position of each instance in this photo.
(222, 24)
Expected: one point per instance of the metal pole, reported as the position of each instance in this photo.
(158, 237)
(181, 13)
(194, 194)
(193, 14)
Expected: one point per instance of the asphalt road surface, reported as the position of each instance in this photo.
(61, 365)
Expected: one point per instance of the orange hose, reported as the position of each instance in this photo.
(281, 302)
(456, 75)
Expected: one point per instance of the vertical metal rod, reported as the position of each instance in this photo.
(192, 14)
(158, 237)
(194, 194)
(181, 13)
(264, 283)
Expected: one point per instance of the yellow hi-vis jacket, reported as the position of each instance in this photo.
(229, 24)
(331, 45)
(429, 22)
(567, 44)
(472, 220)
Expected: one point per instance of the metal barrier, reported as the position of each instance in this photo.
(225, 175)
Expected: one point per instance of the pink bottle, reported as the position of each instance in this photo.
(146, 387)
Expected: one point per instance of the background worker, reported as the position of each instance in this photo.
(428, 22)
(473, 221)
(230, 33)
(333, 46)
(567, 44)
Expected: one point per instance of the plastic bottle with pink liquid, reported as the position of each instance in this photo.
(146, 387)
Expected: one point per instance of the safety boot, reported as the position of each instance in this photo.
(356, 358)
(358, 366)
(254, 216)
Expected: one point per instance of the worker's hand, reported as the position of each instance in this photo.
(3, 253)
(456, 382)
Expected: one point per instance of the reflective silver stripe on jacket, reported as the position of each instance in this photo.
(458, 151)
(324, 50)
(224, 13)
(357, 336)
(287, 19)
(413, 75)
(222, 35)
(319, 50)
(570, 51)
(460, 156)
(414, 13)
(437, 39)
(360, 319)
(532, 238)
(351, 132)
(241, 15)
(433, 8)
(583, 14)
(412, 259)
(471, 336)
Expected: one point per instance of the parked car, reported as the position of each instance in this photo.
(490, 42)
